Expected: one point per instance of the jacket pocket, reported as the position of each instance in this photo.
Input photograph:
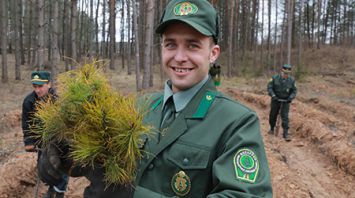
(189, 156)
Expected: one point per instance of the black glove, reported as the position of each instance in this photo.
(49, 166)
(289, 100)
(99, 188)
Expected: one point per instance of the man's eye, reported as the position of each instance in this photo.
(169, 45)
(193, 46)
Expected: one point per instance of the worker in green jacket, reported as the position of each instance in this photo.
(282, 89)
(204, 144)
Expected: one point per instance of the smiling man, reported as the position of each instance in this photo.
(203, 143)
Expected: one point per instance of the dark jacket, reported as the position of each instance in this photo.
(28, 111)
(282, 88)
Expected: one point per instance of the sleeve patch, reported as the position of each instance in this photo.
(246, 165)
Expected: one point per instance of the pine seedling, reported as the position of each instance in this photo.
(101, 127)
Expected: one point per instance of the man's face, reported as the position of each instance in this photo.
(186, 55)
(41, 90)
(284, 74)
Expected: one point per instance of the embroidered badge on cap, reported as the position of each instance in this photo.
(246, 165)
(185, 8)
(181, 184)
(36, 77)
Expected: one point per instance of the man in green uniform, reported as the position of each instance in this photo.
(215, 72)
(204, 144)
(282, 89)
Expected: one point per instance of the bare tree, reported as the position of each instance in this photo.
(29, 13)
(97, 29)
(129, 48)
(230, 39)
(300, 32)
(17, 23)
(148, 43)
(40, 41)
(123, 28)
(4, 74)
(54, 39)
(275, 36)
(73, 27)
(112, 29)
(103, 32)
(137, 48)
(289, 29)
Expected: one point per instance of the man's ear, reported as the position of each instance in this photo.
(216, 50)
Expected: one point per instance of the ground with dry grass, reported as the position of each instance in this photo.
(318, 162)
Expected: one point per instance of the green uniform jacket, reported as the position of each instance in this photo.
(203, 141)
(282, 88)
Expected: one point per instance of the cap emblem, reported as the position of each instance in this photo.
(185, 8)
(36, 77)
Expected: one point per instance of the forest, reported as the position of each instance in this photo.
(255, 35)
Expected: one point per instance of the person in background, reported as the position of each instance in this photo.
(282, 89)
(215, 72)
(203, 143)
(42, 91)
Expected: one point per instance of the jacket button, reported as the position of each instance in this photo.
(151, 166)
(185, 161)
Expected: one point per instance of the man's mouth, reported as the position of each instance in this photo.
(182, 70)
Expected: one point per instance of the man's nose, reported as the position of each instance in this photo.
(180, 55)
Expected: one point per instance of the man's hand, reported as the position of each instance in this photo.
(275, 98)
(30, 148)
(49, 166)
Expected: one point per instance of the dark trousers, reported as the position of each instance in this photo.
(283, 108)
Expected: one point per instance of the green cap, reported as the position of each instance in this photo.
(40, 77)
(199, 14)
(286, 68)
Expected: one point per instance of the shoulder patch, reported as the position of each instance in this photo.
(246, 165)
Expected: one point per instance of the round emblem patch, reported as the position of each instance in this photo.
(246, 165)
(185, 8)
(181, 184)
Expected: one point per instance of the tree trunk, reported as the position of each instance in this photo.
(136, 40)
(269, 36)
(319, 8)
(230, 39)
(289, 29)
(29, 31)
(112, 28)
(4, 74)
(17, 24)
(22, 50)
(97, 29)
(73, 19)
(129, 29)
(55, 50)
(148, 43)
(262, 37)
(103, 33)
(123, 28)
(40, 42)
(275, 36)
(300, 32)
